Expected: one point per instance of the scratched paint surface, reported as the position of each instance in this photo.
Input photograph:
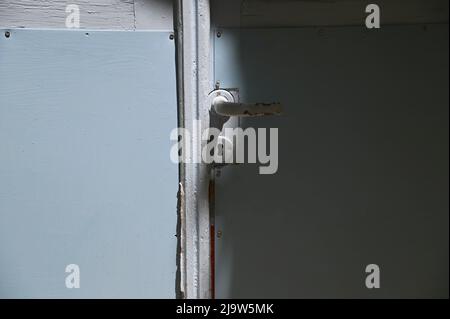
(85, 175)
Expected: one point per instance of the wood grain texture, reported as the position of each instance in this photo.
(154, 14)
(157, 14)
(101, 14)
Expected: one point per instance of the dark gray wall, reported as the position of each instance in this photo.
(363, 164)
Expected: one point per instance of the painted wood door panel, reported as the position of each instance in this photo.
(85, 173)
(363, 164)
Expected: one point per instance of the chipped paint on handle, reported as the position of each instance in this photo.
(247, 109)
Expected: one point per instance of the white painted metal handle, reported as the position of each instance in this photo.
(223, 104)
(246, 109)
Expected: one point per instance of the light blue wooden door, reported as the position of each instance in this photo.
(85, 173)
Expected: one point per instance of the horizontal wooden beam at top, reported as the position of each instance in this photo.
(292, 13)
(94, 14)
(158, 14)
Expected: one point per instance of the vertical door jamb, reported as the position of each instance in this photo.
(192, 36)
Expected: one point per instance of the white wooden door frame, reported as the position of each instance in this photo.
(192, 35)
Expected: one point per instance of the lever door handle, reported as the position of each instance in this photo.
(224, 104)
(225, 113)
(247, 109)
